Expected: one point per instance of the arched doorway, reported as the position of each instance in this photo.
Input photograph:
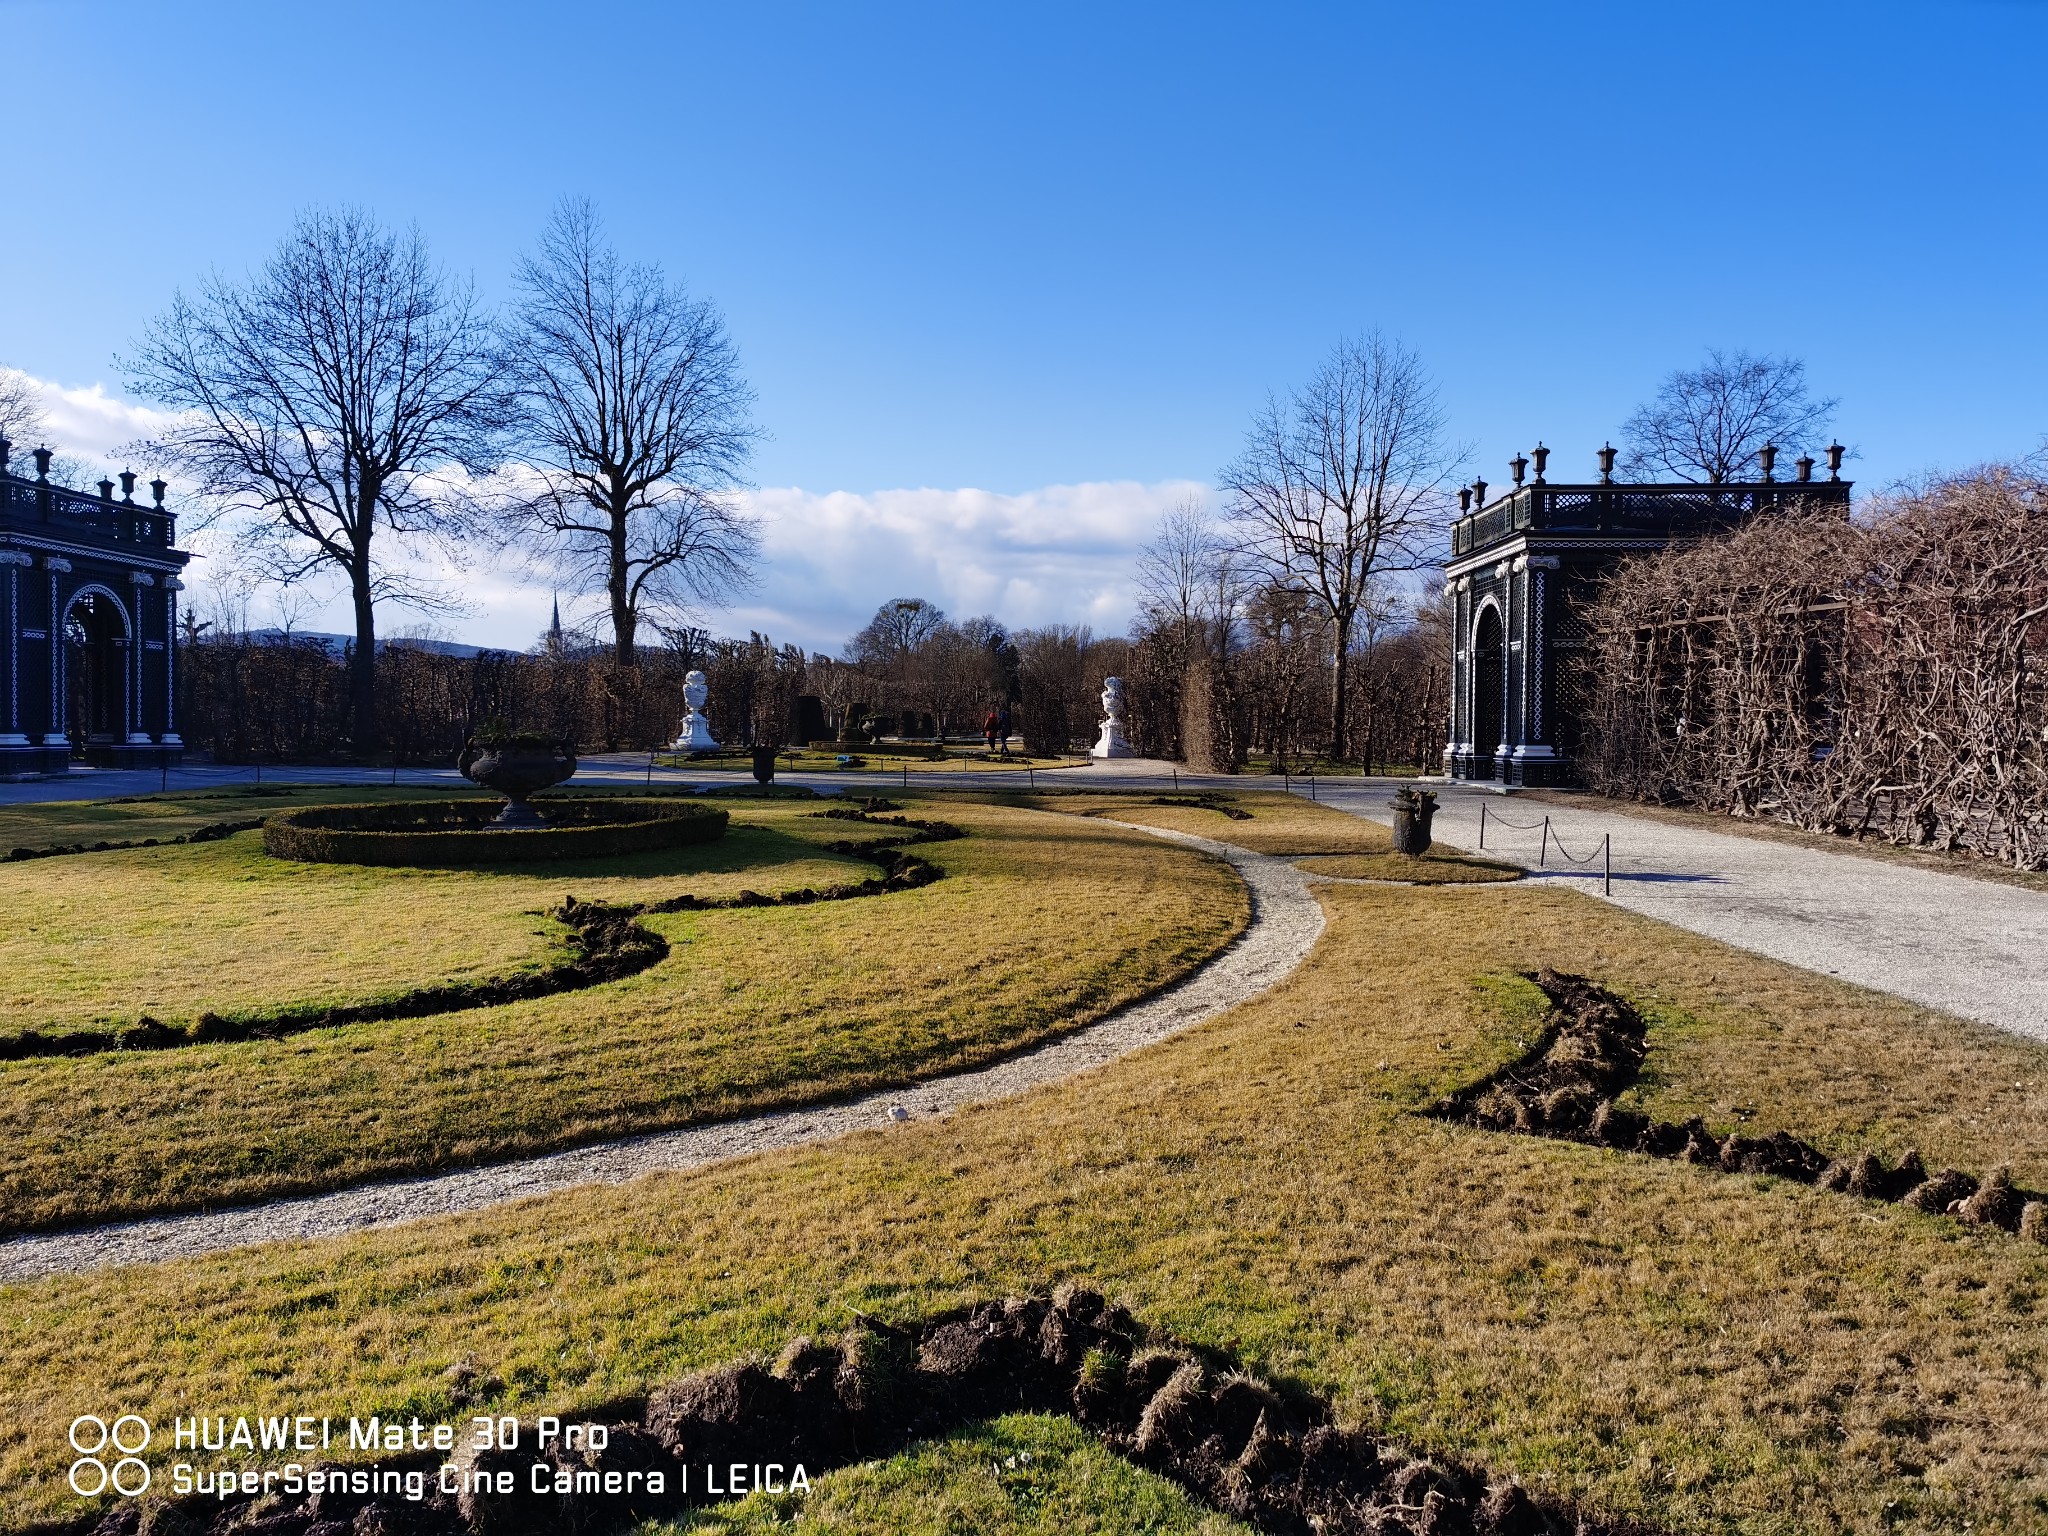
(1489, 722)
(95, 670)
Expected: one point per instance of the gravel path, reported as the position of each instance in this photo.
(1969, 947)
(1285, 922)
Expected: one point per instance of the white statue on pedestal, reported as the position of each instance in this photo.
(1112, 743)
(696, 732)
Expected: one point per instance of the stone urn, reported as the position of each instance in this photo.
(515, 767)
(1413, 811)
(695, 736)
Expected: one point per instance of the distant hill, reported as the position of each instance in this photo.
(340, 643)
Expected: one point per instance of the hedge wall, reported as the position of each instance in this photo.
(446, 833)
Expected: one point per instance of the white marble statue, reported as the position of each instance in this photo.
(696, 732)
(1112, 743)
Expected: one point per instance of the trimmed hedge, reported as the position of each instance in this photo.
(444, 833)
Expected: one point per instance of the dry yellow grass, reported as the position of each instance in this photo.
(1712, 1353)
(1280, 823)
(1044, 923)
(1433, 868)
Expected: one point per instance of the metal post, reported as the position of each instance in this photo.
(1482, 823)
(1544, 852)
(1311, 786)
(1031, 776)
(1607, 865)
(906, 773)
(650, 768)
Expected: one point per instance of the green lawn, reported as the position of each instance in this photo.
(1043, 923)
(1019, 1475)
(101, 938)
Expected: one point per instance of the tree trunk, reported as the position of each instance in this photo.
(362, 666)
(625, 622)
(1340, 714)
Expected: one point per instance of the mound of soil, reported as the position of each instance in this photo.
(1267, 1456)
(1591, 1050)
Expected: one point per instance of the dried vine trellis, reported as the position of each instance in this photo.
(1868, 677)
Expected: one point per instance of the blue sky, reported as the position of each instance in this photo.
(1056, 255)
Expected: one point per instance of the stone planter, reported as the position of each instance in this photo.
(516, 770)
(1413, 809)
(764, 764)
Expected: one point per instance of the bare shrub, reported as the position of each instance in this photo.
(1865, 678)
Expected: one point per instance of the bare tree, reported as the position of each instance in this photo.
(899, 627)
(1344, 483)
(21, 408)
(1175, 570)
(634, 417)
(326, 398)
(1707, 423)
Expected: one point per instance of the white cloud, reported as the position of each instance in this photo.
(1063, 554)
(88, 423)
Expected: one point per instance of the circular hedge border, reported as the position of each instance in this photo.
(442, 833)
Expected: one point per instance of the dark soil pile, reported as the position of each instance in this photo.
(1263, 1454)
(1589, 1053)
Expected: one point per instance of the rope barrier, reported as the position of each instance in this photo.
(1604, 853)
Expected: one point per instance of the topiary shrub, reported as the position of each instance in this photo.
(443, 834)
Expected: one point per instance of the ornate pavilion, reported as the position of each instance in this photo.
(1520, 566)
(90, 590)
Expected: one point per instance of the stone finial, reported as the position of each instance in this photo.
(157, 489)
(1835, 452)
(1767, 456)
(1805, 463)
(5, 448)
(1541, 455)
(1479, 493)
(42, 458)
(1607, 464)
(106, 490)
(1464, 499)
(128, 485)
(1518, 466)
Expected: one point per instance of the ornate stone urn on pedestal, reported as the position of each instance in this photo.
(515, 766)
(695, 735)
(1112, 743)
(1413, 811)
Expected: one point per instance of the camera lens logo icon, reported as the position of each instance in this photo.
(93, 1438)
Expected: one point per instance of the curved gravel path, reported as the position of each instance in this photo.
(1285, 922)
